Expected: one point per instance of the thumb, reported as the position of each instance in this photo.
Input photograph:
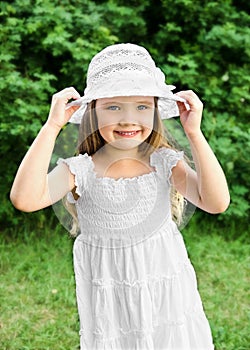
(182, 107)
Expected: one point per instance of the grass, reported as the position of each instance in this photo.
(222, 268)
(37, 290)
(37, 294)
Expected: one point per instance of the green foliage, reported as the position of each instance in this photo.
(200, 45)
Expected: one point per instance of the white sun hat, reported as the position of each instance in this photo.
(126, 70)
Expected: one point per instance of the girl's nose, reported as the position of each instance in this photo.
(126, 123)
(127, 117)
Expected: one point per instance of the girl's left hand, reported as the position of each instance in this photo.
(190, 119)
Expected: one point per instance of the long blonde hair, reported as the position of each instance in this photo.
(90, 141)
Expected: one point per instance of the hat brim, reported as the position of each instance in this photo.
(167, 105)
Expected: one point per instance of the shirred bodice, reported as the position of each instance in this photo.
(127, 210)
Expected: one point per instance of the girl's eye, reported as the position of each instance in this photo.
(113, 108)
(142, 107)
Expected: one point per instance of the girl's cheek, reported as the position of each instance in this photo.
(107, 134)
(102, 124)
(148, 122)
(106, 120)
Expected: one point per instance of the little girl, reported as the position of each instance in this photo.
(135, 286)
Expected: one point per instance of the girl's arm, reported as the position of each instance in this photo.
(206, 187)
(33, 187)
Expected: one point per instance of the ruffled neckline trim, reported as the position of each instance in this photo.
(141, 177)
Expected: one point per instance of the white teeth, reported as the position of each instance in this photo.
(127, 133)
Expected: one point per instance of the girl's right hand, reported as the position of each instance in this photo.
(59, 115)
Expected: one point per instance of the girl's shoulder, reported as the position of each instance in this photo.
(79, 161)
(164, 159)
(167, 152)
(79, 166)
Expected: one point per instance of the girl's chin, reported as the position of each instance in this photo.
(125, 144)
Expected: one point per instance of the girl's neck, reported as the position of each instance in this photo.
(116, 163)
(113, 154)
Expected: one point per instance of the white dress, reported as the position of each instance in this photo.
(135, 285)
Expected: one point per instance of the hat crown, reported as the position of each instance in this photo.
(126, 70)
(119, 59)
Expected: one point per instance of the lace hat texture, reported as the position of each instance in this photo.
(126, 70)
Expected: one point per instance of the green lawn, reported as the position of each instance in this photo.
(222, 268)
(37, 295)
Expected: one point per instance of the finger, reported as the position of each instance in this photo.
(181, 107)
(68, 91)
(74, 93)
(72, 109)
(192, 99)
(66, 95)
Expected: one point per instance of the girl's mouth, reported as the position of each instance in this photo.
(127, 133)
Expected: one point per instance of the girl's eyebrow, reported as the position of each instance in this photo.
(120, 102)
(108, 103)
(145, 102)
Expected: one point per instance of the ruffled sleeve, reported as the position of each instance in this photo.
(79, 166)
(165, 159)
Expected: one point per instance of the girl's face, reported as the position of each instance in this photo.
(125, 122)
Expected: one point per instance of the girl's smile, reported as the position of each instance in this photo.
(127, 134)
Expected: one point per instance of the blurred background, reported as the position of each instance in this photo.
(46, 46)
